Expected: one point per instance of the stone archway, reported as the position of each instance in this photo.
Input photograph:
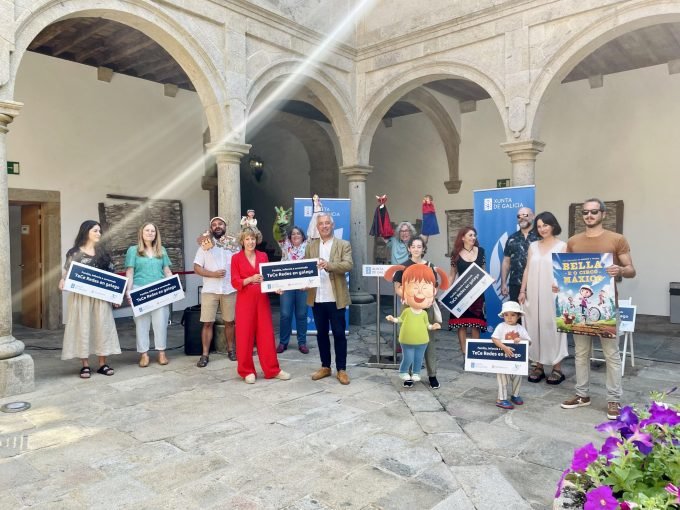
(377, 106)
(283, 78)
(576, 48)
(152, 21)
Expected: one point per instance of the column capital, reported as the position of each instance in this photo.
(228, 152)
(8, 110)
(523, 150)
(356, 173)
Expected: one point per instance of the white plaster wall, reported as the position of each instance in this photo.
(618, 142)
(409, 162)
(87, 138)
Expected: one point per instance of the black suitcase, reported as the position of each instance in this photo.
(191, 320)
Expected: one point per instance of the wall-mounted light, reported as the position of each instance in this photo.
(256, 167)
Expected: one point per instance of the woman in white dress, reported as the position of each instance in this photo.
(536, 295)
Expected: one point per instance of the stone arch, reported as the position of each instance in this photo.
(597, 33)
(152, 21)
(332, 101)
(378, 105)
(428, 104)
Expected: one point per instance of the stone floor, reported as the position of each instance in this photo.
(183, 437)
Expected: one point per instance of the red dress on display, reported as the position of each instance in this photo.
(253, 318)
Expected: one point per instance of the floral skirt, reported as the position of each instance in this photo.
(473, 317)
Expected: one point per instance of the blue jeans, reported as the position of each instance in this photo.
(293, 301)
(412, 356)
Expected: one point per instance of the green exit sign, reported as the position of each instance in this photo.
(502, 183)
(13, 168)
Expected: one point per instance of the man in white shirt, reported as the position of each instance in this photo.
(329, 301)
(213, 263)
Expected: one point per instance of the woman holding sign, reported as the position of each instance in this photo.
(537, 297)
(293, 301)
(89, 321)
(253, 312)
(145, 263)
(466, 251)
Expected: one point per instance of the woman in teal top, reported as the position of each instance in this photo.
(145, 263)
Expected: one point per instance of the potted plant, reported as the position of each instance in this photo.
(637, 466)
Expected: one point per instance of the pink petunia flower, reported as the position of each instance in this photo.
(601, 498)
(584, 457)
(674, 490)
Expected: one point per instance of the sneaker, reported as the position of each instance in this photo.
(404, 376)
(575, 402)
(504, 404)
(613, 410)
(408, 383)
(518, 401)
(434, 383)
(284, 376)
(281, 348)
(303, 349)
(249, 379)
(415, 378)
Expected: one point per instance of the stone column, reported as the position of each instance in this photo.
(228, 157)
(16, 368)
(523, 158)
(356, 175)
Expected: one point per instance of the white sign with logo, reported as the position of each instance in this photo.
(374, 270)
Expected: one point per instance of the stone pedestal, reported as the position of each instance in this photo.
(16, 375)
(362, 314)
(16, 368)
(523, 158)
(228, 158)
(356, 176)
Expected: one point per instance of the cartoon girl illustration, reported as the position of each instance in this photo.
(419, 290)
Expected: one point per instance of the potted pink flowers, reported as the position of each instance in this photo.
(637, 466)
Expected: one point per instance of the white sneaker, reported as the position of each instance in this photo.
(284, 376)
(415, 377)
(250, 379)
(405, 376)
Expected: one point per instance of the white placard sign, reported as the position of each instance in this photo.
(374, 269)
(96, 283)
(484, 356)
(289, 275)
(466, 289)
(627, 315)
(155, 295)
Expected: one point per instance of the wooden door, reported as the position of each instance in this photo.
(31, 266)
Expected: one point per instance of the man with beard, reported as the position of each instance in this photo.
(515, 254)
(213, 263)
(596, 239)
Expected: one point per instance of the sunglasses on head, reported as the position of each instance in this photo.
(593, 212)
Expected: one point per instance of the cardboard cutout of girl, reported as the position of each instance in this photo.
(419, 290)
(317, 207)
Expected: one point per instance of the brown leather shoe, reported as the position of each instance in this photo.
(162, 358)
(321, 373)
(144, 360)
(343, 377)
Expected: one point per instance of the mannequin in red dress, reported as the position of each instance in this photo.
(253, 313)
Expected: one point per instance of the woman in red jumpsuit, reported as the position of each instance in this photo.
(253, 313)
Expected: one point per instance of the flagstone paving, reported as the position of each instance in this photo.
(177, 436)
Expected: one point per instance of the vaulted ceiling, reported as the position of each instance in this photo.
(100, 42)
